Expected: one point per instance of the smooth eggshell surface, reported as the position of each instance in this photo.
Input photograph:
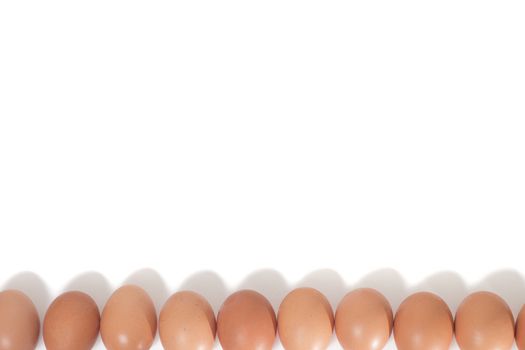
(246, 321)
(72, 322)
(187, 322)
(19, 322)
(423, 321)
(520, 329)
(484, 322)
(128, 321)
(363, 320)
(305, 320)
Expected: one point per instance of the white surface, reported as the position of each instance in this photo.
(216, 145)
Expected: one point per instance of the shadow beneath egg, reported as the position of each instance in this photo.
(269, 283)
(388, 282)
(34, 287)
(153, 283)
(208, 284)
(328, 282)
(93, 284)
(508, 284)
(448, 285)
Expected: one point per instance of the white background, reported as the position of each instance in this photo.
(217, 145)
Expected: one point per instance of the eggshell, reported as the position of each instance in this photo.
(72, 322)
(423, 321)
(484, 322)
(363, 320)
(305, 320)
(246, 321)
(187, 322)
(520, 329)
(19, 322)
(128, 321)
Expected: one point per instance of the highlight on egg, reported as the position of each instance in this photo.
(19, 321)
(187, 322)
(305, 320)
(128, 320)
(423, 321)
(72, 321)
(484, 321)
(246, 320)
(363, 320)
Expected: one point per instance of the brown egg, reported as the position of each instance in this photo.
(187, 322)
(246, 321)
(128, 321)
(363, 320)
(305, 320)
(71, 322)
(484, 322)
(423, 321)
(520, 329)
(19, 322)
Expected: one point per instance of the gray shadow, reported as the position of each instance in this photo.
(508, 284)
(208, 284)
(153, 284)
(448, 285)
(328, 282)
(388, 282)
(269, 283)
(34, 287)
(93, 284)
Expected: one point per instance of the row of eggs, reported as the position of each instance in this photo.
(246, 321)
